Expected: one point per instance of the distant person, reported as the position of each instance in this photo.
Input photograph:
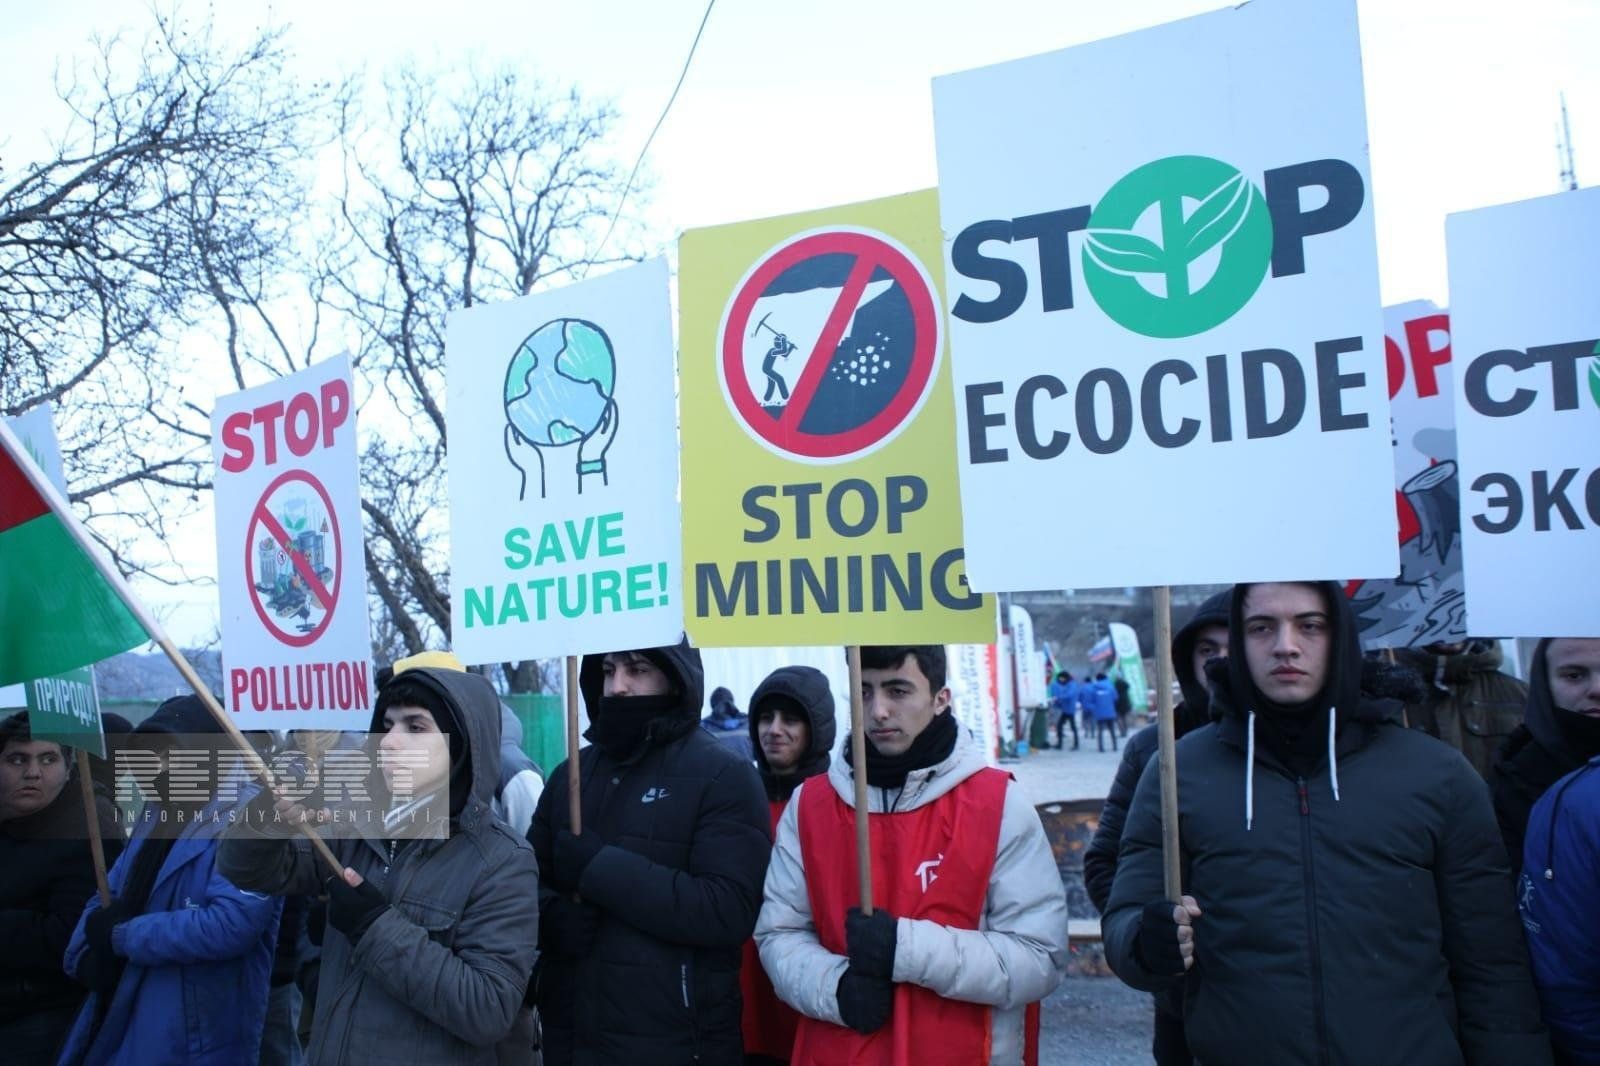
(1471, 703)
(46, 877)
(1102, 703)
(1345, 897)
(1064, 700)
(1124, 702)
(179, 965)
(969, 926)
(1560, 732)
(792, 725)
(1203, 637)
(728, 724)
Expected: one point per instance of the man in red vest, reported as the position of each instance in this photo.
(792, 730)
(969, 926)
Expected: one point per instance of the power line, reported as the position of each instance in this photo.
(637, 163)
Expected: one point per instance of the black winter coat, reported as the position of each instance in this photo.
(1373, 923)
(46, 878)
(678, 887)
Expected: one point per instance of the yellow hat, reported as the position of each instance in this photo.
(437, 660)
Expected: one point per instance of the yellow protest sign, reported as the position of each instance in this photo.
(820, 503)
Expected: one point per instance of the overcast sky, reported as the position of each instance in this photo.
(796, 105)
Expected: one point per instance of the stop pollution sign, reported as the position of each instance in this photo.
(829, 344)
(291, 570)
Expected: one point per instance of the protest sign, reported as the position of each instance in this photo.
(564, 527)
(291, 566)
(1525, 327)
(1163, 286)
(1426, 603)
(819, 495)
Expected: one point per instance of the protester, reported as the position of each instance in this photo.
(1064, 699)
(1471, 704)
(521, 781)
(1102, 703)
(1559, 733)
(46, 877)
(427, 951)
(969, 925)
(179, 964)
(1560, 884)
(1124, 702)
(792, 728)
(1203, 638)
(729, 724)
(644, 913)
(1346, 898)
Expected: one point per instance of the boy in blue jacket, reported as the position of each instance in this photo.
(179, 964)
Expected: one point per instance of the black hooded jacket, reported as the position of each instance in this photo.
(1100, 858)
(677, 887)
(807, 688)
(1538, 753)
(1359, 913)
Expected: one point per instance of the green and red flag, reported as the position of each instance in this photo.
(57, 611)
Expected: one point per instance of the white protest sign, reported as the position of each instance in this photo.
(291, 565)
(1426, 603)
(565, 530)
(1164, 306)
(1525, 319)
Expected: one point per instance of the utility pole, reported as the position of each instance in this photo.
(1569, 173)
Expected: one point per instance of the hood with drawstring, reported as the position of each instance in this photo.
(802, 688)
(1551, 743)
(1366, 881)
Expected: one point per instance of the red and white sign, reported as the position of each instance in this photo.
(291, 577)
(829, 345)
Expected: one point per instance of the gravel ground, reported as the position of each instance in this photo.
(1090, 1020)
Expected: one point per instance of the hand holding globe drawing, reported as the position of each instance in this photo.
(559, 402)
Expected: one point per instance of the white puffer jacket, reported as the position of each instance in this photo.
(1017, 954)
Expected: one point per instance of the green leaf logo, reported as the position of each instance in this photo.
(1211, 255)
(1594, 375)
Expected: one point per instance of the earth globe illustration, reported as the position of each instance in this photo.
(560, 383)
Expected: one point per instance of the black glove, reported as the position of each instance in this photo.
(1157, 945)
(100, 967)
(353, 910)
(865, 1003)
(573, 854)
(870, 942)
(567, 928)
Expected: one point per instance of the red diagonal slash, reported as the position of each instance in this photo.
(828, 342)
(302, 566)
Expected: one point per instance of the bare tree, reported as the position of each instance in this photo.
(470, 188)
(159, 221)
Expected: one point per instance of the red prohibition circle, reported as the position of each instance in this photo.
(261, 516)
(783, 434)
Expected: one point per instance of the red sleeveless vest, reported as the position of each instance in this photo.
(768, 1023)
(933, 863)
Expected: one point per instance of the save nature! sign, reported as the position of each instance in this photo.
(1173, 291)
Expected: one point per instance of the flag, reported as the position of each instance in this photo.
(57, 611)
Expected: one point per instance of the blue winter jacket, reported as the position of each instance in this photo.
(199, 963)
(1556, 893)
(1103, 700)
(1064, 695)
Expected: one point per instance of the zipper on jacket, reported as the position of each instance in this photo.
(688, 1005)
(1308, 872)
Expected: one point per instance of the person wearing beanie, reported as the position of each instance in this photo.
(643, 914)
(792, 731)
(968, 930)
(1203, 637)
(179, 963)
(46, 877)
(427, 955)
(1346, 897)
(1560, 731)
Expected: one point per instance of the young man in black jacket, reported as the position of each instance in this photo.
(1346, 897)
(642, 915)
(1203, 638)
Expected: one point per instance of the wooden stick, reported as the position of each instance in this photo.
(574, 785)
(858, 755)
(97, 849)
(1167, 733)
(152, 628)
